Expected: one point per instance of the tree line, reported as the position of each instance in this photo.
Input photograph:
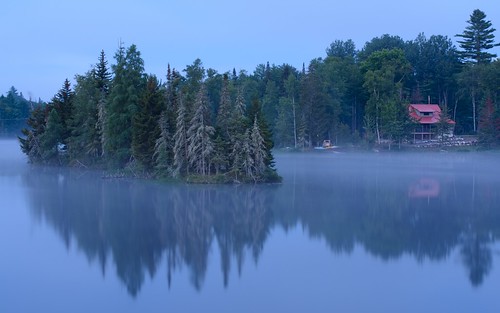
(210, 124)
(124, 118)
(14, 110)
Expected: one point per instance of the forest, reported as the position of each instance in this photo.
(223, 126)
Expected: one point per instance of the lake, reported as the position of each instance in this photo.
(344, 232)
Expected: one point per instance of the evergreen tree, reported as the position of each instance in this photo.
(172, 95)
(258, 149)
(478, 38)
(30, 145)
(163, 152)
(314, 105)
(85, 140)
(123, 102)
(489, 125)
(88, 117)
(443, 125)
(63, 104)
(51, 139)
(255, 113)
(238, 136)
(195, 73)
(14, 110)
(225, 109)
(145, 128)
(103, 84)
(180, 141)
(246, 158)
(200, 145)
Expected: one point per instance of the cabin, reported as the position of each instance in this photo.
(427, 116)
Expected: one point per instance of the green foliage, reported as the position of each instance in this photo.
(145, 127)
(181, 142)
(202, 123)
(477, 38)
(489, 125)
(199, 136)
(126, 90)
(51, 140)
(385, 42)
(342, 49)
(163, 150)
(63, 104)
(14, 110)
(30, 144)
(384, 72)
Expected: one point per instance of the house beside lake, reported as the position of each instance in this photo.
(428, 117)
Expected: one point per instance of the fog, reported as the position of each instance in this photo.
(405, 210)
(12, 160)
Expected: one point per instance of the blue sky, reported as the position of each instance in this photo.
(44, 42)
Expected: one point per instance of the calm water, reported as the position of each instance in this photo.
(343, 233)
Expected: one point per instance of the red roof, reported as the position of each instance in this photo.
(426, 107)
(415, 109)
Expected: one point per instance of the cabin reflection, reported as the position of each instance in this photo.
(424, 188)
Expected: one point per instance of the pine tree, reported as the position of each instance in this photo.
(123, 102)
(258, 149)
(255, 112)
(145, 127)
(84, 144)
(30, 145)
(200, 145)
(239, 152)
(246, 156)
(489, 125)
(103, 82)
(478, 37)
(225, 109)
(51, 139)
(63, 104)
(180, 141)
(163, 153)
(443, 125)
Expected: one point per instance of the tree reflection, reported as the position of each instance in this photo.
(139, 225)
(477, 257)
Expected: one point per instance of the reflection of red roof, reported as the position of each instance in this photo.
(424, 188)
(433, 109)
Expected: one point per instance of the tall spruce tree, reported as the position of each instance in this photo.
(255, 112)
(163, 150)
(51, 140)
(200, 144)
(103, 84)
(258, 149)
(180, 141)
(477, 38)
(123, 102)
(63, 104)
(87, 122)
(225, 109)
(85, 140)
(145, 127)
(30, 145)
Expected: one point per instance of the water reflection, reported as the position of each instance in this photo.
(139, 225)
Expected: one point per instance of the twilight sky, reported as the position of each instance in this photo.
(46, 41)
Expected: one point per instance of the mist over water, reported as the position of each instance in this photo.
(344, 232)
(12, 160)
